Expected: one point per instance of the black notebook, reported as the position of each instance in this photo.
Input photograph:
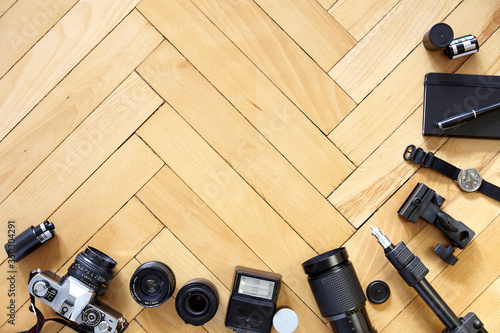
(448, 94)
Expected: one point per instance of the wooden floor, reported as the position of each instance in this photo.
(209, 134)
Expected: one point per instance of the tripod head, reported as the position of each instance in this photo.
(426, 203)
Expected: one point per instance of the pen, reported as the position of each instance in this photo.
(464, 117)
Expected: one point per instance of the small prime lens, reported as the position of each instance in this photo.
(337, 291)
(197, 302)
(94, 268)
(152, 284)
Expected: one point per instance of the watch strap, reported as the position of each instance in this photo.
(428, 160)
(490, 190)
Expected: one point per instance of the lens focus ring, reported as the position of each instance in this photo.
(337, 290)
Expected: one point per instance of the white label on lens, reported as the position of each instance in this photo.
(255, 287)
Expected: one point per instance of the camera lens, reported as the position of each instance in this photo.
(197, 302)
(94, 268)
(152, 284)
(338, 292)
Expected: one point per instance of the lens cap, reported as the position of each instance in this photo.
(285, 321)
(378, 292)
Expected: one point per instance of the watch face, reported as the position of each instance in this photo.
(469, 180)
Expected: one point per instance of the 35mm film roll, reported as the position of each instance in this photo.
(462, 46)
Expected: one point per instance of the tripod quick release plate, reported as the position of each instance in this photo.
(426, 203)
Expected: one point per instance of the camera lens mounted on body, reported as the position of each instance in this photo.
(93, 268)
(152, 284)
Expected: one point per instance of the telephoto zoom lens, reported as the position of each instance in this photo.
(197, 302)
(152, 284)
(337, 291)
(93, 268)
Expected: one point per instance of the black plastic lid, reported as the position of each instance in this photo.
(378, 292)
(440, 35)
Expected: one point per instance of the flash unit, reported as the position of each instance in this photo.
(253, 300)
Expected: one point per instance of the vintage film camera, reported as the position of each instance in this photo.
(74, 295)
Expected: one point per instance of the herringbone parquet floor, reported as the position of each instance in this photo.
(209, 134)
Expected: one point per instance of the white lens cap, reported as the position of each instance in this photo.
(285, 321)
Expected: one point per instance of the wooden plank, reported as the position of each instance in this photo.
(163, 319)
(198, 228)
(280, 59)
(168, 249)
(135, 327)
(482, 307)
(371, 60)
(229, 196)
(317, 32)
(359, 17)
(91, 206)
(385, 162)
(326, 4)
(382, 173)
(128, 231)
(424, 242)
(23, 25)
(5, 5)
(455, 285)
(380, 114)
(249, 91)
(80, 154)
(244, 148)
(48, 124)
(55, 55)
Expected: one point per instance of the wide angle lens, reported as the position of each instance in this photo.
(93, 268)
(152, 284)
(338, 292)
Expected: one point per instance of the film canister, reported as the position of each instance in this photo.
(438, 37)
(285, 320)
(462, 46)
(29, 240)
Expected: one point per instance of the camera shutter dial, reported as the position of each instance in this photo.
(91, 317)
(41, 289)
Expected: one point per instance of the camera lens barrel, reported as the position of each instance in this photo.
(152, 284)
(197, 302)
(29, 240)
(337, 291)
(93, 268)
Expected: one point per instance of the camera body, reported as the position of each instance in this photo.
(75, 301)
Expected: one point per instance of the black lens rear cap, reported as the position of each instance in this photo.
(378, 292)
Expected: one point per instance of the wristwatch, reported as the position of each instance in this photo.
(469, 179)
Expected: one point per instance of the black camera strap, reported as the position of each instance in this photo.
(40, 319)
